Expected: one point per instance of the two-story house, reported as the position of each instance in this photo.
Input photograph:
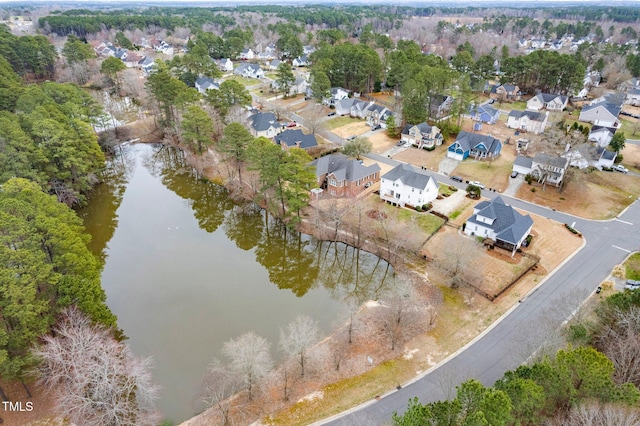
(205, 83)
(421, 135)
(529, 121)
(545, 168)
(294, 138)
(484, 113)
(499, 222)
(508, 92)
(547, 101)
(341, 176)
(602, 113)
(406, 185)
(336, 94)
(474, 145)
(225, 64)
(249, 71)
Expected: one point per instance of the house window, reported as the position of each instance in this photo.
(333, 182)
(398, 195)
(421, 192)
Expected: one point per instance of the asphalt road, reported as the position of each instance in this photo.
(528, 326)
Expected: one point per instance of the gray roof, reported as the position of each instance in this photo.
(243, 66)
(146, 61)
(552, 160)
(485, 109)
(548, 97)
(605, 154)
(509, 225)
(509, 87)
(470, 141)
(613, 109)
(410, 176)
(346, 103)
(533, 115)
(204, 82)
(523, 161)
(423, 127)
(261, 121)
(343, 167)
(291, 137)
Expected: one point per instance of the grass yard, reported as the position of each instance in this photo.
(245, 81)
(519, 105)
(632, 267)
(629, 126)
(336, 122)
(445, 190)
(493, 174)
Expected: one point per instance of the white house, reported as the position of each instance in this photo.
(225, 64)
(337, 94)
(249, 71)
(247, 54)
(273, 65)
(407, 185)
(604, 158)
(300, 61)
(549, 168)
(343, 107)
(265, 124)
(205, 83)
(530, 121)
(547, 101)
(500, 222)
(601, 135)
(633, 97)
(146, 64)
(299, 85)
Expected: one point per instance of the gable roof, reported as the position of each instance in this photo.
(509, 225)
(523, 161)
(532, 115)
(548, 97)
(247, 66)
(482, 109)
(470, 141)
(261, 121)
(343, 167)
(422, 127)
(291, 137)
(552, 160)
(612, 109)
(409, 176)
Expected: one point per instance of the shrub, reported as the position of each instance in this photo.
(528, 178)
(429, 148)
(418, 208)
(427, 207)
(533, 190)
(452, 188)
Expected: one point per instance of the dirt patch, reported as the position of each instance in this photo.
(351, 129)
(423, 158)
(588, 194)
(631, 154)
(381, 142)
(42, 402)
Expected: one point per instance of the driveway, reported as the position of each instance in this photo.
(514, 185)
(447, 166)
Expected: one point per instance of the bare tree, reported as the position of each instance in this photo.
(96, 379)
(315, 118)
(596, 414)
(298, 337)
(220, 384)
(250, 358)
(620, 342)
(454, 257)
(399, 314)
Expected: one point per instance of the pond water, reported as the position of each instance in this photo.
(187, 269)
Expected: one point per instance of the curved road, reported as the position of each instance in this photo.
(527, 326)
(524, 329)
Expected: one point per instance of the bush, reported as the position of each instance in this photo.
(528, 178)
(618, 159)
(533, 190)
(430, 148)
(427, 207)
(418, 208)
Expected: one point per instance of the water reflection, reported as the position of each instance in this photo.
(295, 261)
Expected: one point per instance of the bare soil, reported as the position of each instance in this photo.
(43, 412)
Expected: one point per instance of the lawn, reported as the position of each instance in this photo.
(493, 174)
(336, 122)
(245, 81)
(519, 105)
(627, 126)
(632, 266)
(445, 190)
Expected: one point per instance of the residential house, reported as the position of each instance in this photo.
(162, 47)
(249, 71)
(146, 64)
(336, 94)
(205, 83)
(529, 121)
(439, 106)
(601, 135)
(604, 158)
(341, 176)
(421, 135)
(225, 64)
(265, 56)
(299, 86)
(358, 109)
(377, 115)
(132, 59)
(522, 164)
(408, 185)
(294, 138)
(273, 65)
(485, 114)
(265, 124)
(300, 61)
(308, 50)
(343, 107)
(499, 222)
(474, 145)
(246, 54)
(601, 113)
(121, 54)
(633, 97)
(548, 168)
(508, 92)
(547, 101)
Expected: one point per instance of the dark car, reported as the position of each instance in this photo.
(457, 178)
(331, 114)
(514, 174)
(400, 143)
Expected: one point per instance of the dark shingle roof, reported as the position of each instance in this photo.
(509, 225)
(343, 167)
(261, 121)
(468, 141)
(548, 97)
(423, 127)
(523, 161)
(409, 175)
(291, 137)
(613, 109)
(533, 115)
(543, 158)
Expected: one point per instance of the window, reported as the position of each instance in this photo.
(333, 182)
(398, 195)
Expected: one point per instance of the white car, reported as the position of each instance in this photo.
(620, 168)
(476, 183)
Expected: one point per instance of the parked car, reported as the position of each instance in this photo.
(514, 174)
(457, 178)
(476, 183)
(400, 143)
(632, 285)
(292, 124)
(331, 114)
(376, 127)
(620, 168)
(350, 138)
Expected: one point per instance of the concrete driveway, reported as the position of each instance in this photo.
(514, 185)
(447, 166)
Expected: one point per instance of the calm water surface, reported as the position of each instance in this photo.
(187, 269)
